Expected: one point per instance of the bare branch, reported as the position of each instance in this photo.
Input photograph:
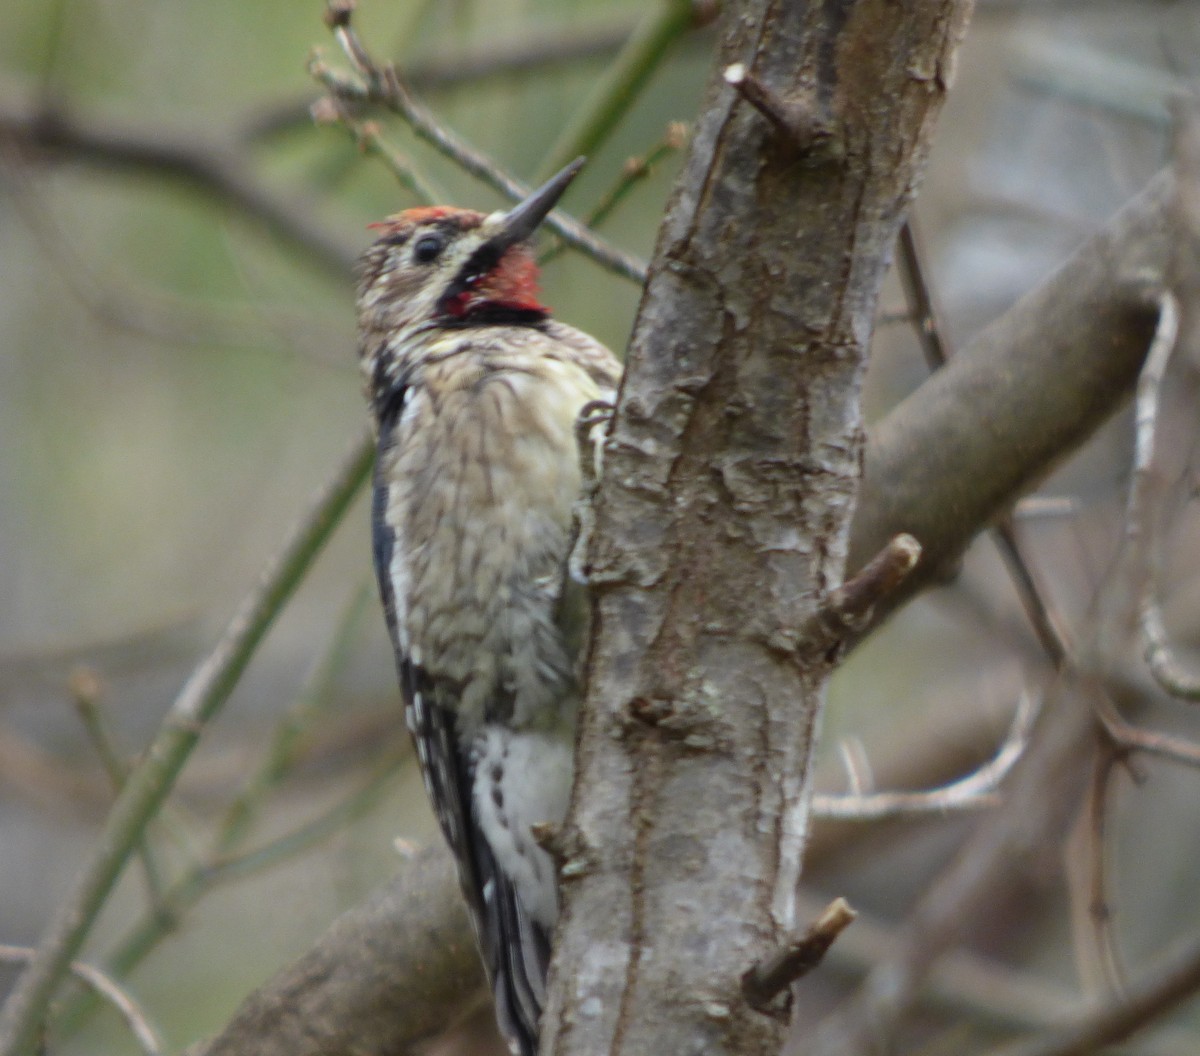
(976, 790)
(385, 975)
(1098, 955)
(936, 345)
(1038, 380)
(763, 984)
(207, 163)
(382, 84)
(1146, 489)
(1044, 791)
(107, 989)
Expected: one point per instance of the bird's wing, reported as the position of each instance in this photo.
(515, 948)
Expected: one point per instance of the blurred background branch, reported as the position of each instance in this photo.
(177, 365)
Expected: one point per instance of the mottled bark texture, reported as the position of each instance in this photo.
(723, 520)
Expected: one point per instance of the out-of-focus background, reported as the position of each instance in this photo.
(177, 378)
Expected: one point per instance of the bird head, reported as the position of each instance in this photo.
(442, 267)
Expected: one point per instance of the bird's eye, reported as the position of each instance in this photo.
(428, 248)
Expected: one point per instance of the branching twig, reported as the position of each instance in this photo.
(224, 859)
(977, 790)
(1163, 745)
(531, 52)
(105, 988)
(382, 85)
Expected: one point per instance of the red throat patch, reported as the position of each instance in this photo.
(512, 285)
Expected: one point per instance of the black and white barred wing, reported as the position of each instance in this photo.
(515, 948)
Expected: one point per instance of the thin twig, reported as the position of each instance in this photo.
(1163, 745)
(1037, 507)
(85, 690)
(664, 22)
(633, 172)
(1098, 908)
(977, 790)
(105, 988)
(857, 764)
(284, 749)
(766, 981)
(382, 85)
(302, 837)
(1145, 489)
(278, 761)
(531, 52)
(369, 137)
(152, 779)
(1126, 737)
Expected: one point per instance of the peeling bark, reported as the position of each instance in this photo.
(723, 519)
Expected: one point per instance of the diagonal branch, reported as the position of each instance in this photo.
(205, 162)
(380, 83)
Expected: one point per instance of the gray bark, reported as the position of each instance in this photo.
(723, 520)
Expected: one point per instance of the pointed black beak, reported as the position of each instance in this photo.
(523, 218)
(518, 224)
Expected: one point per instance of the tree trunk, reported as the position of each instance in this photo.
(722, 522)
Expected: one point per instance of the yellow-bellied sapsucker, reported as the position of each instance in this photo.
(475, 394)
